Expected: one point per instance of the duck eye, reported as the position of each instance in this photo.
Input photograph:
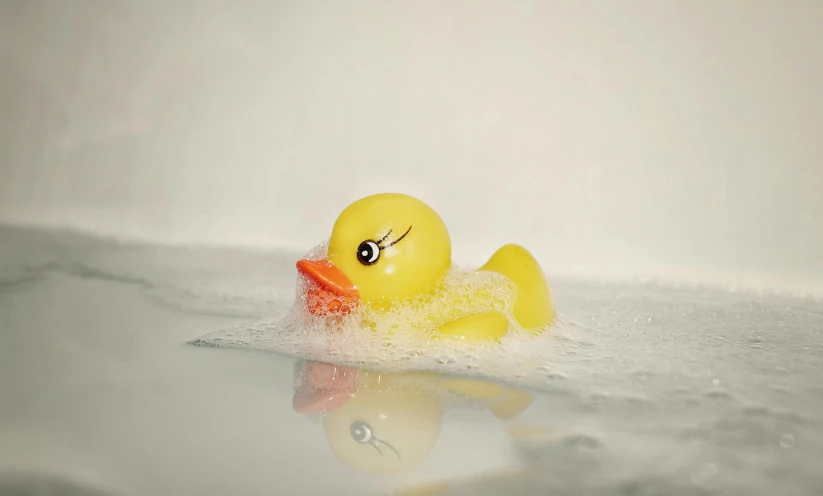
(368, 252)
(360, 432)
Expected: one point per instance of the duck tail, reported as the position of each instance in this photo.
(533, 307)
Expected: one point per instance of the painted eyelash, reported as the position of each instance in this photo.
(395, 241)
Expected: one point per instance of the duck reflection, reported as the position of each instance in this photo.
(387, 423)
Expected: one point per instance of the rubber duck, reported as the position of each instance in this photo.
(387, 423)
(391, 253)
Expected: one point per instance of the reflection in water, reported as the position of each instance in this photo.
(387, 423)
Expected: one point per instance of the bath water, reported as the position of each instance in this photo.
(120, 360)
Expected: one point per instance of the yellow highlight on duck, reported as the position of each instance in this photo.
(390, 254)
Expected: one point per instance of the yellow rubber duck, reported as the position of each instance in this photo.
(390, 253)
(387, 423)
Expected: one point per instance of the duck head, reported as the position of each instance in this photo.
(382, 247)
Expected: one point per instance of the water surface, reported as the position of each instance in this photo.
(661, 390)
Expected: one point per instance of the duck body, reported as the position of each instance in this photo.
(388, 260)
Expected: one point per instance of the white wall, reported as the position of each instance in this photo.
(664, 137)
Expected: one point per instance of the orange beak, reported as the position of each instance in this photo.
(324, 388)
(335, 292)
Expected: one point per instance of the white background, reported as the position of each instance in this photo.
(679, 138)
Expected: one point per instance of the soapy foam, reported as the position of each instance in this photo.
(518, 357)
(400, 339)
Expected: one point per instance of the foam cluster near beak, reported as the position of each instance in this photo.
(319, 301)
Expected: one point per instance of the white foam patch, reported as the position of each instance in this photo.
(517, 357)
(402, 338)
